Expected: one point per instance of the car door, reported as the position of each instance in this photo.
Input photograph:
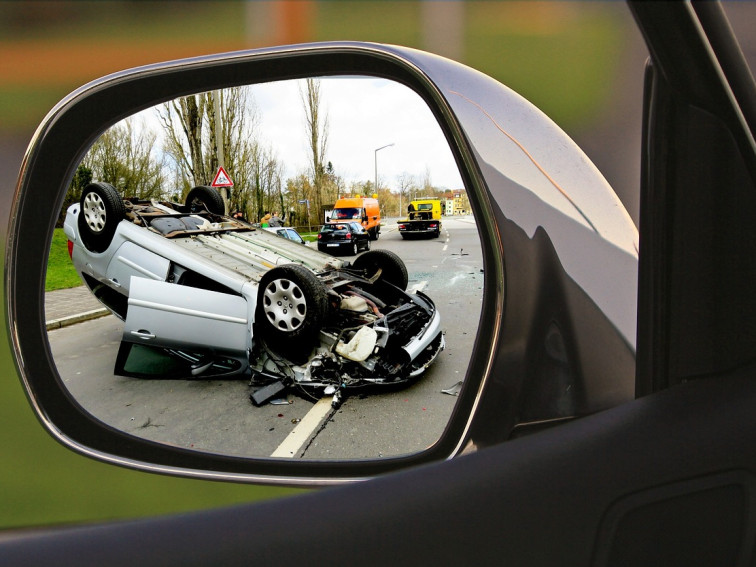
(134, 260)
(167, 315)
(359, 233)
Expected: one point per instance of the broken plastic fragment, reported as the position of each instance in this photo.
(330, 390)
(454, 390)
(360, 347)
(336, 400)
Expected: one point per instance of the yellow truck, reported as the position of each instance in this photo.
(423, 219)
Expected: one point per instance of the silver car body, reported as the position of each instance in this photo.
(146, 267)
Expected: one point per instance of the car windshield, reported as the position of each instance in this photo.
(347, 213)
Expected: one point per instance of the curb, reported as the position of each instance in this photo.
(72, 319)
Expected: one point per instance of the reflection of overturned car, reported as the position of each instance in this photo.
(203, 295)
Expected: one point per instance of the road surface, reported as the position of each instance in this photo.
(217, 416)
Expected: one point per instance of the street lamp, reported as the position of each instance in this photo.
(376, 162)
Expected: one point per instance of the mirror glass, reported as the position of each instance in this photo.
(289, 269)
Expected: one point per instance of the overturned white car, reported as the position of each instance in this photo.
(204, 295)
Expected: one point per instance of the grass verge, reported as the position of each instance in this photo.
(61, 273)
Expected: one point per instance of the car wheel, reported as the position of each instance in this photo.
(367, 245)
(101, 211)
(292, 303)
(205, 198)
(391, 267)
(355, 249)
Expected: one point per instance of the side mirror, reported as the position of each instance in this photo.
(539, 316)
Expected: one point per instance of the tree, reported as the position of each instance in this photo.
(427, 189)
(262, 191)
(123, 156)
(81, 179)
(407, 188)
(299, 190)
(186, 115)
(316, 130)
(204, 129)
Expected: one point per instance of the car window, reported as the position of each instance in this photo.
(294, 235)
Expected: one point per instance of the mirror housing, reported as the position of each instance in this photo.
(557, 330)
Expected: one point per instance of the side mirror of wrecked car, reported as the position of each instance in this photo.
(552, 324)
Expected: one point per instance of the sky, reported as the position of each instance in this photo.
(364, 114)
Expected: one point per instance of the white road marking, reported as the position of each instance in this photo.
(445, 247)
(304, 429)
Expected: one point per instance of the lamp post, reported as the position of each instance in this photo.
(376, 162)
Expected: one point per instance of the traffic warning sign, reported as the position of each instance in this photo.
(222, 179)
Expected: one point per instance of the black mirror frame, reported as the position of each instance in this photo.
(59, 145)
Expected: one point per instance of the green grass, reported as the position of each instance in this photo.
(309, 236)
(61, 273)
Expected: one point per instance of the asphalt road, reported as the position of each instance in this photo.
(217, 416)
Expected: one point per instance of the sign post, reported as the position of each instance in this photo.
(222, 182)
(307, 201)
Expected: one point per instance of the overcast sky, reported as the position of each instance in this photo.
(364, 113)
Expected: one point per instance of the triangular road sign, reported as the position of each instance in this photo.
(222, 179)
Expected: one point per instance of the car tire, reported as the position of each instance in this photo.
(202, 198)
(367, 245)
(101, 209)
(391, 265)
(355, 248)
(292, 304)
